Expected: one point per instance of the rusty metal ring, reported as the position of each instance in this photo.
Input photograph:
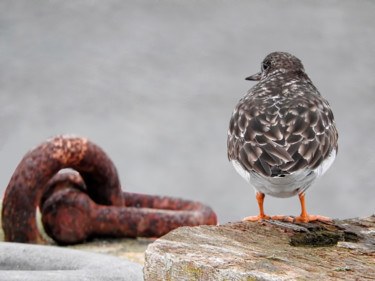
(69, 216)
(76, 206)
(30, 179)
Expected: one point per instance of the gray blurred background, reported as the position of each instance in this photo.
(154, 84)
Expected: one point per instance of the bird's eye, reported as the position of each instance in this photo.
(265, 65)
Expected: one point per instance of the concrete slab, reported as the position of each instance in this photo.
(39, 263)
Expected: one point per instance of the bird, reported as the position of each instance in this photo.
(282, 135)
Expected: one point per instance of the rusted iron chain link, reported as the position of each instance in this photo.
(87, 203)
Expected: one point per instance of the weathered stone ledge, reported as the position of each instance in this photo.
(267, 250)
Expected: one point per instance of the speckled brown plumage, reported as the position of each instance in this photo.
(282, 127)
(283, 124)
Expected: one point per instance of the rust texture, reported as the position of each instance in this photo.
(70, 216)
(88, 202)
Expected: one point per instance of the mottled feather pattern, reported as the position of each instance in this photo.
(282, 124)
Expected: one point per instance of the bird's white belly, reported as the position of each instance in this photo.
(287, 186)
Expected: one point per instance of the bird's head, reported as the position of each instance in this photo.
(278, 63)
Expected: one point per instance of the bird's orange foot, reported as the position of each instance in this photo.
(257, 218)
(308, 218)
(265, 217)
(282, 218)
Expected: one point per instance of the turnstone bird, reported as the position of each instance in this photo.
(282, 134)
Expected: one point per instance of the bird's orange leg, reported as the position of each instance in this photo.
(305, 217)
(261, 216)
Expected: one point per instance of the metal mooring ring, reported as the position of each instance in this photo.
(29, 182)
(77, 206)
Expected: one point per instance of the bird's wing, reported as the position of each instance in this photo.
(281, 134)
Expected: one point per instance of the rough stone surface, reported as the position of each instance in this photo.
(36, 262)
(267, 250)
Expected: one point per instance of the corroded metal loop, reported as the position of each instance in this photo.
(86, 203)
(202, 213)
(30, 181)
(69, 216)
(61, 181)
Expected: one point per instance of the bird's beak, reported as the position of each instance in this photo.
(255, 77)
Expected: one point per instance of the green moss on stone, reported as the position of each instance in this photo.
(320, 238)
